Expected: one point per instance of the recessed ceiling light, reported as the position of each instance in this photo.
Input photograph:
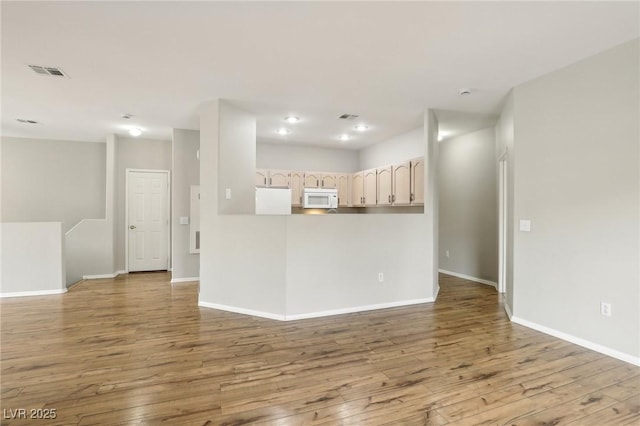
(291, 119)
(344, 137)
(126, 116)
(283, 131)
(361, 127)
(25, 121)
(134, 131)
(464, 92)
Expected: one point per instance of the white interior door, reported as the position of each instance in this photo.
(148, 220)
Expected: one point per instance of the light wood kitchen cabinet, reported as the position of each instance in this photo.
(417, 182)
(328, 180)
(343, 180)
(383, 185)
(312, 180)
(272, 178)
(357, 189)
(296, 183)
(401, 193)
(262, 178)
(369, 187)
(279, 178)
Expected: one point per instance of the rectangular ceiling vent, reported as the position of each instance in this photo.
(49, 71)
(348, 117)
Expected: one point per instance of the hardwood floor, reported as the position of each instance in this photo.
(136, 350)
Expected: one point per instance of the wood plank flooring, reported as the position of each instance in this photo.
(136, 350)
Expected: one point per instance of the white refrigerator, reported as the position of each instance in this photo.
(273, 201)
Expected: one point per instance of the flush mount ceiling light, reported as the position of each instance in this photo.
(25, 121)
(135, 132)
(361, 127)
(283, 131)
(292, 119)
(344, 137)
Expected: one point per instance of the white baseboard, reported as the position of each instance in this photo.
(244, 311)
(355, 309)
(469, 277)
(102, 276)
(579, 341)
(508, 311)
(184, 280)
(33, 293)
(319, 314)
(437, 292)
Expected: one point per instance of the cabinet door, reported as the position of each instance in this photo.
(401, 195)
(343, 189)
(417, 181)
(370, 187)
(357, 186)
(296, 181)
(312, 180)
(262, 178)
(328, 181)
(383, 185)
(279, 178)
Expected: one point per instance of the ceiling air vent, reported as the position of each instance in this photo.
(348, 117)
(25, 121)
(50, 71)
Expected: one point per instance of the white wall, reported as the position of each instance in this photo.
(134, 154)
(31, 259)
(258, 264)
(467, 171)
(47, 180)
(577, 180)
(505, 144)
(405, 146)
(242, 256)
(89, 246)
(287, 157)
(333, 262)
(186, 172)
(431, 197)
(237, 160)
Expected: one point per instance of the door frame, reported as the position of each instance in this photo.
(503, 221)
(126, 213)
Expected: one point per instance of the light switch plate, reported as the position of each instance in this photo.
(227, 193)
(525, 225)
(184, 220)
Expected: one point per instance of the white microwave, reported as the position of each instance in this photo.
(320, 198)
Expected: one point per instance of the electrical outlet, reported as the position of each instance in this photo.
(605, 309)
(446, 253)
(380, 277)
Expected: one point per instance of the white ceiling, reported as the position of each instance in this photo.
(385, 61)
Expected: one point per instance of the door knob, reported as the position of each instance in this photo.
(132, 227)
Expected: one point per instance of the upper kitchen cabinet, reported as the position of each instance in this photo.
(369, 187)
(401, 193)
(262, 178)
(343, 180)
(296, 182)
(279, 178)
(417, 181)
(312, 180)
(357, 189)
(384, 187)
(272, 178)
(328, 180)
